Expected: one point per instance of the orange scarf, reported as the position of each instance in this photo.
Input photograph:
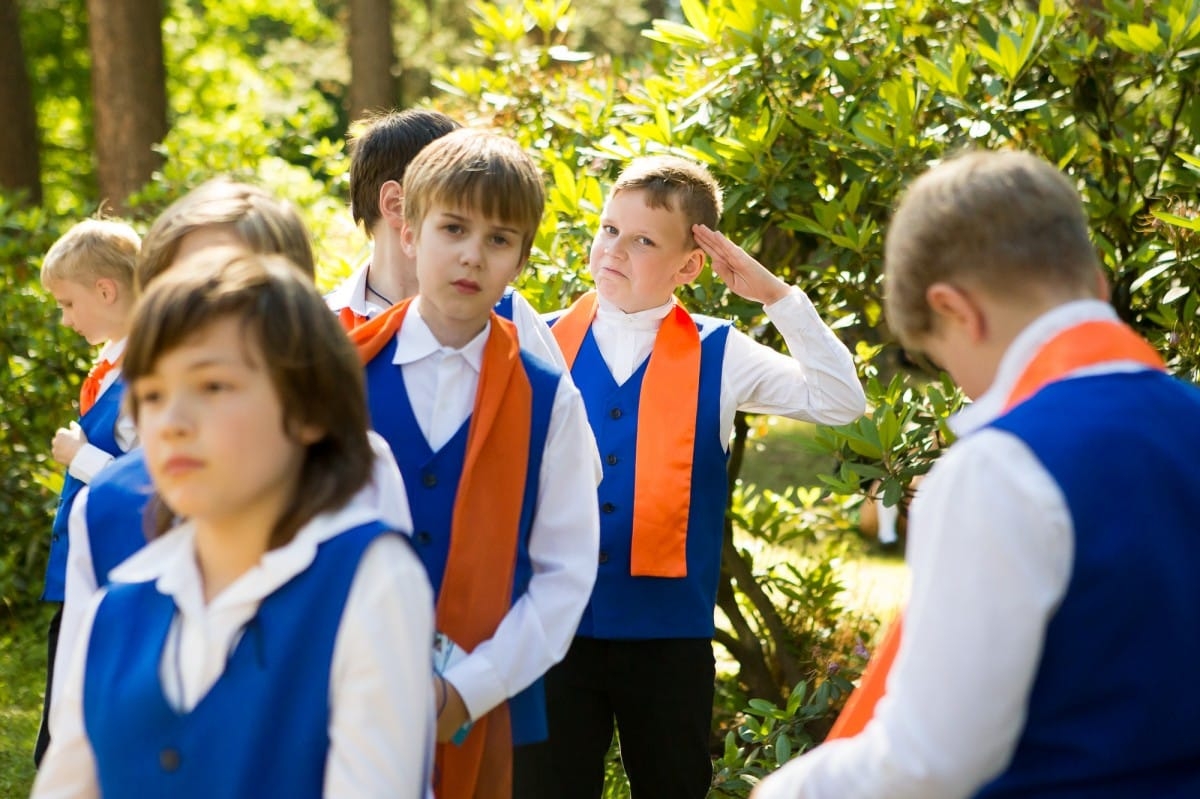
(90, 390)
(477, 586)
(1075, 348)
(350, 320)
(666, 436)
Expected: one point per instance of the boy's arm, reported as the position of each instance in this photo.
(991, 549)
(818, 383)
(534, 334)
(564, 546)
(85, 460)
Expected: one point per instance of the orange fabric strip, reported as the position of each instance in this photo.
(1077, 347)
(90, 390)
(477, 585)
(350, 320)
(666, 436)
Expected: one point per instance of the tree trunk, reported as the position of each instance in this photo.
(19, 160)
(372, 57)
(129, 93)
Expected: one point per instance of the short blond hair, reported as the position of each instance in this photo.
(91, 250)
(676, 184)
(1007, 222)
(476, 170)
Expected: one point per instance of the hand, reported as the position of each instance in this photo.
(745, 276)
(67, 443)
(452, 711)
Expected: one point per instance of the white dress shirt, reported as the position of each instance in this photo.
(90, 459)
(991, 551)
(385, 493)
(817, 384)
(565, 537)
(534, 335)
(381, 701)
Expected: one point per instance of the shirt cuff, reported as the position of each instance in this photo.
(478, 683)
(88, 462)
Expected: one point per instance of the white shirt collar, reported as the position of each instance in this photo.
(415, 341)
(112, 350)
(170, 560)
(1018, 355)
(648, 319)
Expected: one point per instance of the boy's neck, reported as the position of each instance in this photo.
(452, 333)
(223, 555)
(392, 275)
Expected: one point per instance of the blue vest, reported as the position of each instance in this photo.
(504, 308)
(431, 481)
(99, 424)
(263, 727)
(627, 607)
(1109, 717)
(115, 514)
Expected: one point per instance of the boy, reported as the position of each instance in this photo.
(89, 272)
(379, 157)
(489, 440)
(1056, 543)
(661, 388)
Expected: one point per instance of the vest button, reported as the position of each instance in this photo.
(603, 556)
(423, 538)
(169, 759)
(608, 507)
(429, 479)
(613, 460)
(615, 413)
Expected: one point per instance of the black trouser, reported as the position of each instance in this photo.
(660, 692)
(43, 738)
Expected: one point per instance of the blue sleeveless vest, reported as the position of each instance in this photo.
(115, 514)
(627, 607)
(431, 480)
(263, 727)
(1103, 722)
(99, 424)
(504, 308)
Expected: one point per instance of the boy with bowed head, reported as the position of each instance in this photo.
(662, 387)
(1055, 543)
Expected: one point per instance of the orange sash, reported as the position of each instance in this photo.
(90, 390)
(477, 586)
(1085, 344)
(350, 320)
(666, 436)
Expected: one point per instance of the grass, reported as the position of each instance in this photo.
(22, 676)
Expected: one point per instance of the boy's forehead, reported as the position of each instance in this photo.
(636, 202)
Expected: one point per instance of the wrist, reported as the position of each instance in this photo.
(777, 293)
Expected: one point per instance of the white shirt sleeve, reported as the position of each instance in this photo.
(991, 548)
(381, 731)
(818, 383)
(534, 334)
(81, 586)
(564, 547)
(68, 771)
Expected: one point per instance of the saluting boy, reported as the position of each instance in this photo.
(380, 152)
(89, 272)
(495, 451)
(662, 387)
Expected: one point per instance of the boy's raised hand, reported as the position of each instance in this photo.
(745, 276)
(67, 443)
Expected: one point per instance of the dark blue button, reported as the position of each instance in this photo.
(613, 460)
(608, 507)
(603, 557)
(169, 759)
(615, 413)
(423, 538)
(429, 479)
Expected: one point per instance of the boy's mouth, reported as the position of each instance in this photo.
(466, 286)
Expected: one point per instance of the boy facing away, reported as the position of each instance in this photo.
(380, 153)
(496, 454)
(89, 272)
(662, 387)
(1056, 543)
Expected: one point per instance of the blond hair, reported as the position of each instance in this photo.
(1006, 222)
(91, 250)
(475, 170)
(676, 184)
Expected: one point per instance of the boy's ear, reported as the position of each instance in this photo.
(107, 288)
(958, 310)
(391, 203)
(691, 268)
(408, 240)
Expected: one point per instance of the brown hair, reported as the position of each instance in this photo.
(477, 171)
(381, 149)
(1007, 222)
(264, 223)
(675, 184)
(93, 249)
(292, 335)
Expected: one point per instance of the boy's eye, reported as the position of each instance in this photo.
(609, 229)
(214, 386)
(500, 240)
(645, 242)
(147, 396)
(453, 227)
